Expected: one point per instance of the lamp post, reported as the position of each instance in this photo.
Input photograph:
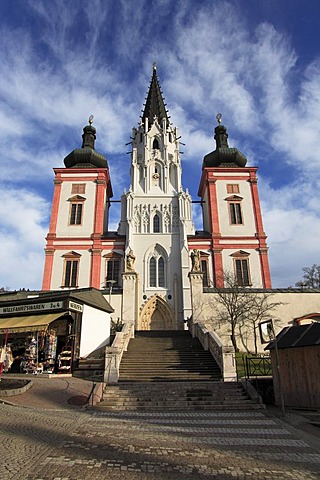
(267, 334)
(111, 283)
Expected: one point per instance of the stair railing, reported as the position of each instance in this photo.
(224, 355)
(113, 354)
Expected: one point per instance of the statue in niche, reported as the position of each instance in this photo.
(195, 260)
(130, 261)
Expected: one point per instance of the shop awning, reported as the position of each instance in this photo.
(30, 323)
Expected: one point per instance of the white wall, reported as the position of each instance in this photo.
(95, 331)
(292, 304)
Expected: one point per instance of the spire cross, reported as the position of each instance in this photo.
(91, 119)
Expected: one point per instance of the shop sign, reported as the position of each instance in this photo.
(75, 306)
(32, 307)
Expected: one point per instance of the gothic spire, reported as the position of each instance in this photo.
(155, 105)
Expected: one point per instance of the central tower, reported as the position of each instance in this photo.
(156, 220)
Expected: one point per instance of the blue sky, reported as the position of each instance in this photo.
(256, 61)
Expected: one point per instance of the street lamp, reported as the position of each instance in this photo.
(111, 282)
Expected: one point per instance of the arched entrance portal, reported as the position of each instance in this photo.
(156, 315)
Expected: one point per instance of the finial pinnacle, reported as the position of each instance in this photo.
(154, 66)
(91, 119)
(219, 118)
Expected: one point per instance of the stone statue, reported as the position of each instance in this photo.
(195, 259)
(130, 261)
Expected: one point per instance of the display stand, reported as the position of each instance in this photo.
(64, 360)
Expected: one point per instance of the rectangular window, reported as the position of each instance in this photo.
(242, 272)
(71, 273)
(233, 188)
(204, 269)
(113, 268)
(78, 188)
(235, 213)
(75, 214)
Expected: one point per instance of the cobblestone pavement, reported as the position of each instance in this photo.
(86, 444)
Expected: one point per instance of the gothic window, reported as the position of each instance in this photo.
(153, 272)
(155, 144)
(157, 272)
(161, 272)
(156, 224)
(71, 269)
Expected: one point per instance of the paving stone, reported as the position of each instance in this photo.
(81, 445)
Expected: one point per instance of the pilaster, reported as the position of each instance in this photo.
(130, 285)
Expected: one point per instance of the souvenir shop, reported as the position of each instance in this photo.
(56, 332)
(38, 348)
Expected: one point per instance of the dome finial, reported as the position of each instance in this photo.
(219, 118)
(91, 119)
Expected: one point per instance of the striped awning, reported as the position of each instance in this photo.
(30, 323)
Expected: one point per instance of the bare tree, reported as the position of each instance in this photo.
(243, 308)
(262, 308)
(311, 277)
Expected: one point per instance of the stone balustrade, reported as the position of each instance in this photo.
(224, 355)
(113, 354)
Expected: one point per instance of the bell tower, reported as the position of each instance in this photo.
(156, 217)
(232, 215)
(79, 218)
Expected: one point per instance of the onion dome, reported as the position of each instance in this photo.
(86, 156)
(155, 106)
(223, 155)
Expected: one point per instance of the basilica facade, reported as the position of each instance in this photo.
(143, 268)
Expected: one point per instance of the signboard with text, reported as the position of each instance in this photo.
(32, 307)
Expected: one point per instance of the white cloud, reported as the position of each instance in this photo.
(23, 217)
(96, 58)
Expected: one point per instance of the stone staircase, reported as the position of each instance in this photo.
(167, 356)
(171, 371)
(91, 367)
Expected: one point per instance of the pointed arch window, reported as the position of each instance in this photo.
(156, 224)
(155, 144)
(153, 272)
(161, 272)
(157, 272)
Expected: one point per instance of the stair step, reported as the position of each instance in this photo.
(175, 396)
